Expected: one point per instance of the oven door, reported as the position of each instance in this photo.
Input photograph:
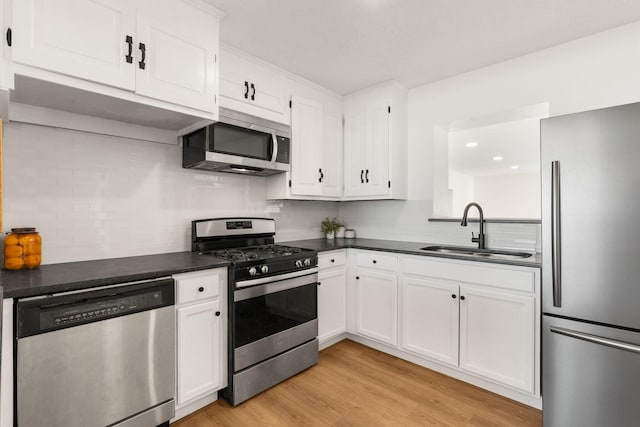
(274, 317)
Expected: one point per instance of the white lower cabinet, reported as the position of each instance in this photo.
(497, 336)
(332, 309)
(199, 336)
(201, 350)
(377, 305)
(429, 318)
(477, 317)
(377, 296)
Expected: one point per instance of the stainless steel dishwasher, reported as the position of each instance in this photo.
(101, 357)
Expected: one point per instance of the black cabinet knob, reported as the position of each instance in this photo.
(333, 260)
(357, 277)
(319, 283)
(375, 262)
(453, 296)
(200, 289)
(462, 297)
(217, 313)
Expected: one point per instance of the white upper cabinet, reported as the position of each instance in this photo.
(316, 146)
(89, 39)
(177, 59)
(306, 147)
(375, 143)
(132, 61)
(250, 86)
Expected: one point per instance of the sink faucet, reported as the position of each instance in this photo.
(480, 239)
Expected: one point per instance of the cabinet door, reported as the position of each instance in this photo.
(354, 150)
(497, 336)
(377, 308)
(377, 137)
(306, 147)
(79, 38)
(252, 88)
(179, 60)
(199, 349)
(332, 157)
(429, 324)
(332, 314)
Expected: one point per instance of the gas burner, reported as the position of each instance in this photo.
(282, 250)
(235, 255)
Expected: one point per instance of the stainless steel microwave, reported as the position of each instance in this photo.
(239, 143)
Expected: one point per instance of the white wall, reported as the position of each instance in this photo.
(593, 72)
(92, 196)
(523, 191)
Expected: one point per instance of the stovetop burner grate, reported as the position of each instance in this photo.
(255, 252)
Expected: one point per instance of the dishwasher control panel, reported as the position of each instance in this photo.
(46, 314)
(99, 309)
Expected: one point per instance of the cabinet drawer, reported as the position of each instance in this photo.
(507, 277)
(331, 259)
(377, 260)
(199, 285)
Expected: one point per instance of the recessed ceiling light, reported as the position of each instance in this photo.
(471, 144)
(497, 158)
(515, 167)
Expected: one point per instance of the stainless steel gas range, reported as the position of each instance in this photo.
(273, 315)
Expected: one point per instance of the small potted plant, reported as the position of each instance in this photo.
(329, 227)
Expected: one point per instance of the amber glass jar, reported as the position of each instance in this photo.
(22, 249)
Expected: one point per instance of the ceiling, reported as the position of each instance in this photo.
(347, 45)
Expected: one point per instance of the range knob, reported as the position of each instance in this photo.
(264, 269)
(252, 271)
(299, 263)
(307, 262)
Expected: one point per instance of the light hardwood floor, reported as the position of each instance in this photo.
(353, 385)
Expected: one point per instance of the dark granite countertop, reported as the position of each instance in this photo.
(411, 248)
(70, 276)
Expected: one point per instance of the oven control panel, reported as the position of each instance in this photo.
(261, 269)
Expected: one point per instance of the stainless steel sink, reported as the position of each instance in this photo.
(480, 253)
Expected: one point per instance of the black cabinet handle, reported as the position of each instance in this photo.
(143, 50)
(361, 176)
(217, 313)
(366, 176)
(453, 296)
(253, 94)
(321, 175)
(246, 89)
(200, 289)
(129, 55)
(462, 298)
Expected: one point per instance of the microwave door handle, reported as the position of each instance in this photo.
(275, 147)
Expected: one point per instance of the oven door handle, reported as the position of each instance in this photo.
(262, 280)
(272, 287)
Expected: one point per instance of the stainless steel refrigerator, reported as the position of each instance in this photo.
(591, 268)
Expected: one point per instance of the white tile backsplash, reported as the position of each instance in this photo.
(93, 196)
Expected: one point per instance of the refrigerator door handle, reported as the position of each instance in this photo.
(556, 261)
(619, 345)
